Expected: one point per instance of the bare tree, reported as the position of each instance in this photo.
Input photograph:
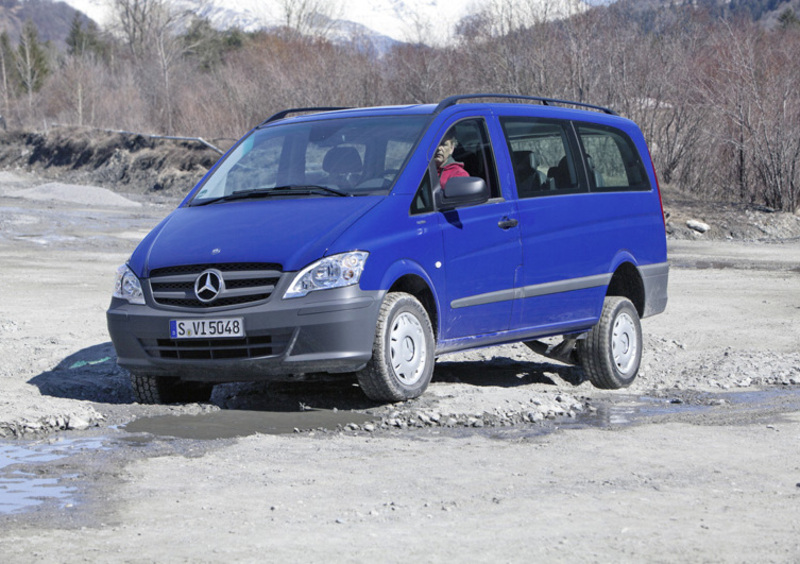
(751, 84)
(135, 20)
(311, 17)
(6, 67)
(650, 79)
(418, 73)
(79, 90)
(775, 127)
(31, 61)
(152, 32)
(506, 44)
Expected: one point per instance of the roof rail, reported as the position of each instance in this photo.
(453, 100)
(284, 113)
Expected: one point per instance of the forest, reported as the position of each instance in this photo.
(717, 95)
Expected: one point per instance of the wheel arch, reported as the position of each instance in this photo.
(419, 288)
(627, 282)
(406, 275)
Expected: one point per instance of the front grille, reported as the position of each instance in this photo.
(217, 349)
(244, 283)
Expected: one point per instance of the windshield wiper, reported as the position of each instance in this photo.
(312, 189)
(237, 195)
(297, 189)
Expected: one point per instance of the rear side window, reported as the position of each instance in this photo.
(612, 161)
(542, 155)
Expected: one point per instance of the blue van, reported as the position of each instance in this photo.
(370, 241)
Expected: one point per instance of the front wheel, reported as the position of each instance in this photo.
(402, 353)
(162, 389)
(612, 351)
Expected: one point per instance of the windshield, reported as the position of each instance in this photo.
(336, 157)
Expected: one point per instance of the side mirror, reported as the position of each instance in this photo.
(462, 191)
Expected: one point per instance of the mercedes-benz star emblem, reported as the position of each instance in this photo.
(209, 285)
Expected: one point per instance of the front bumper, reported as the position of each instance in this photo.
(325, 331)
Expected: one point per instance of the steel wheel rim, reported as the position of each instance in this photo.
(624, 343)
(408, 348)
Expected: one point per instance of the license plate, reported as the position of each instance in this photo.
(206, 328)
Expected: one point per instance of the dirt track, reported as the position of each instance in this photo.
(710, 470)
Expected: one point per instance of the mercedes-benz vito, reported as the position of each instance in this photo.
(324, 242)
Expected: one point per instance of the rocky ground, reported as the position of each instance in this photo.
(62, 232)
(477, 468)
(697, 220)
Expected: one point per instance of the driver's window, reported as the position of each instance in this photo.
(472, 150)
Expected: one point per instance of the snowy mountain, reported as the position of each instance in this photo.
(427, 21)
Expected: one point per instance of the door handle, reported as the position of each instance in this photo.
(507, 223)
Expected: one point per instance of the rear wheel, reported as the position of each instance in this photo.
(403, 351)
(612, 351)
(162, 389)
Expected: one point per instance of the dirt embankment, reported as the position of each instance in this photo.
(694, 219)
(122, 162)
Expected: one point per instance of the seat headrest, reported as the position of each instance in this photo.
(525, 159)
(342, 160)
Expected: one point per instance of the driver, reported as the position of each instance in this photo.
(446, 166)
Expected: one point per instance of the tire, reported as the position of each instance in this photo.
(612, 351)
(161, 389)
(403, 351)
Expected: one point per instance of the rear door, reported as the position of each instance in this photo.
(562, 277)
(573, 223)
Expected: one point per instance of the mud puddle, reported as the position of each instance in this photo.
(625, 411)
(689, 405)
(28, 479)
(229, 424)
(53, 475)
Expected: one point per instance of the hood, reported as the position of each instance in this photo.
(291, 233)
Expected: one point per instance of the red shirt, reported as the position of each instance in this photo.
(451, 169)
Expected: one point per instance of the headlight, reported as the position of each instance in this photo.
(127, 286)
(336, 271)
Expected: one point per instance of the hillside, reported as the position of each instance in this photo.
(766, 12)
(427, 21)
(53, 19)
(383, 21)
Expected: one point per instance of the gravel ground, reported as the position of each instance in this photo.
(464, 472)
(53, 232)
